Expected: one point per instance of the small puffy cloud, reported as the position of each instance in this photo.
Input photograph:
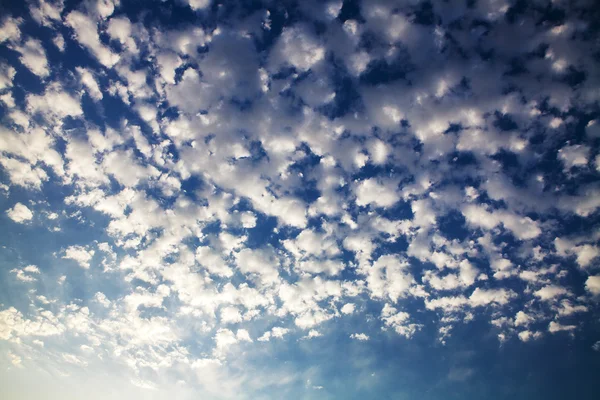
(585, 254)
(296, 46)
(23, 174)
(248, 219)
(279, 332)
(198, 4)
(311, 243)
(20, 213)
(26, 274)
(389, 277)
(348, 308)
(592, 285)
(59, 42)
(526, 336)
(15, 359)
(243, 335)
(7, 73)
(523, 319)
(79, 254)
(550, 292)
(359, 336)
(399, 321)
(260, 263)
(90, 83)
(484, 297)
(370, 191)
(225, 338)
(313, 333)
(276, 332)
(33, 56)
(101, 298)
(523, 228)
(9, 30)
(230, 315)
(554, 327)
(55, 102)
(86, 33)
(212, 261)
(378, 151)
(574, 156)
(46, 12)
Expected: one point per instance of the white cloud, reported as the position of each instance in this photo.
(299, 48)
(389, 277)
(20, 213)
(483, 297)
(22, 174)
(523, 319)
(86, 32)
(370, 191)
(90, 83)
(586, 254)
(212, 261)
(399, 321)
(7, 73)
(258, 262)
(554, 327)
(198, 4)
(33, 56)
(47, 13)
(54, 103)
(59, 42)
(574, 156)
(276, 332)
(523, 228)
(26, 274)
(550, 292)
(348, 308)
(359, 336)
(79, 254)
(313, 333)
(9, 30)
(592, 285)
(230, 315)
(526, 336)
(248, 219)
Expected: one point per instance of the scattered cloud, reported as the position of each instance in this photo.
(241, 183)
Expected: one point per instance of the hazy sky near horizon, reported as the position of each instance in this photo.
(374, 199)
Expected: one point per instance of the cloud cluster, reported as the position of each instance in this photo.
(269, 174)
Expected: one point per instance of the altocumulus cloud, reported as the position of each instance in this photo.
(258, 200)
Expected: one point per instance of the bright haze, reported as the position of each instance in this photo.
(265, 200)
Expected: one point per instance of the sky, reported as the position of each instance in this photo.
(210, 199)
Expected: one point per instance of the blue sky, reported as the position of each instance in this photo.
(300, 200)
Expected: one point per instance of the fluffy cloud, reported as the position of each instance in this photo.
(33, 56)
(550, 292)
(522, 227)
(86, 33)
(574, 156)
(299, 48)
(359, 336)
(483, 297)
(20, 213)
(292, 174)
(592, 284)
(379, 194)
(80, 254)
